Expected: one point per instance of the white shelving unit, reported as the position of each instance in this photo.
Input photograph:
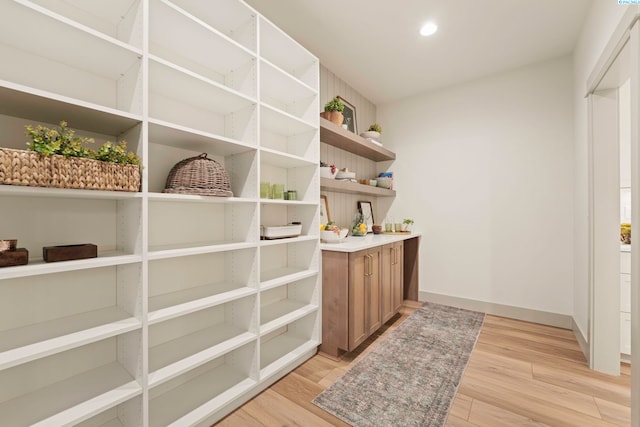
(185, 313)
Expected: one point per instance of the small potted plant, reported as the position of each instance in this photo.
(327, 171)
(333, 111)
(373, 132)
(407, 223)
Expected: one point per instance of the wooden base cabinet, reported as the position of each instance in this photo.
(364, 295)
(392, 284)
(351, 298)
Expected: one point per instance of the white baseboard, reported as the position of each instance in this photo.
(582, 340)
(536, 316)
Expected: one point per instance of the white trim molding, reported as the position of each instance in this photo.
(519, 313)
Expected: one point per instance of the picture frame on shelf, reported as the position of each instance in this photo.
(349, 114)
(325, 216)
(366, 210)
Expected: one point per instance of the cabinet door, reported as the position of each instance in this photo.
(397, 277)
(359, 267)
(387, 298)
(373, 290)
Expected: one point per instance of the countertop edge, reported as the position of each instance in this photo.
(354, 244)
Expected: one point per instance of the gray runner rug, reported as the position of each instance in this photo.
(411, 377)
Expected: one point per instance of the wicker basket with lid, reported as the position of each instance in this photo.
(199, 176)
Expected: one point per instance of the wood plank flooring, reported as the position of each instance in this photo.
(519, 374)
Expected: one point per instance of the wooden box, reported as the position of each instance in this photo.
(20, 256)
(69, 252)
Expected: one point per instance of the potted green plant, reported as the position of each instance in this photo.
(333, 111)
(407, 223)
(58, 158)
(373, 132)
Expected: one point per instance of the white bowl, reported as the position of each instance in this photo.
(325, 172)
(370, 134)
(345, 175)
(332, 237)
(384, 182)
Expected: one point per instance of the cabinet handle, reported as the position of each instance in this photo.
(366, 265)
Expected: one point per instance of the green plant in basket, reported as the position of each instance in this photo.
(117, 154)
(61, 140)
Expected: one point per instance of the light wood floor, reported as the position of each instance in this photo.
(519, 374)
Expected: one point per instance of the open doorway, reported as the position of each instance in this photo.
(613, 94)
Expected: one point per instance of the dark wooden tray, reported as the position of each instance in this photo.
(20, 256)
(69, 252)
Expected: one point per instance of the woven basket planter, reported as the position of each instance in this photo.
(198, 176)
(28, 168)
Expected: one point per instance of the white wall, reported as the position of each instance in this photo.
(601, 21)
(485, 168)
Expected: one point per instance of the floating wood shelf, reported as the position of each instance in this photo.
(349, 141)
(328, 184)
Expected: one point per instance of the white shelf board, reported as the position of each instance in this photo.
(237, 17)
(172, 251)
(176, 82)
(281, 276)
(288, 240)
(280, 351)
(66, 193)
(287, 202)
(189, 198)
(284, 160)
(101, 55)
(72, 400)
(207, 392)
(178, 136)
(174, 304)
(37, 267)
(280, 49)
(281, 313)
(114, 422)
(169, 360)
(278, 84)
(283, 123)
(42, 106)
(229, 56)
(31, 342)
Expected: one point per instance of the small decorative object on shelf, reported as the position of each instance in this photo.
(280, 231)
(407, 223)
(625, 233)
(59, 159)
(69, 252)
(331, 233)
(358, 227)
(11, 255)
(333, 111)
(373, 132)
(327, 171)
(199, 176)
(349, 113)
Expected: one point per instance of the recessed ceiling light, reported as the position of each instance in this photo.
(428, 29)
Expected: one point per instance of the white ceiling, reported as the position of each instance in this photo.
(375, 47)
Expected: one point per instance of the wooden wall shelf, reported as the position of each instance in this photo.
(348, 141)
(328, 184)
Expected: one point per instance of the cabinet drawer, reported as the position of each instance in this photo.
(625, 293)
(625, 333)
(625, 262)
